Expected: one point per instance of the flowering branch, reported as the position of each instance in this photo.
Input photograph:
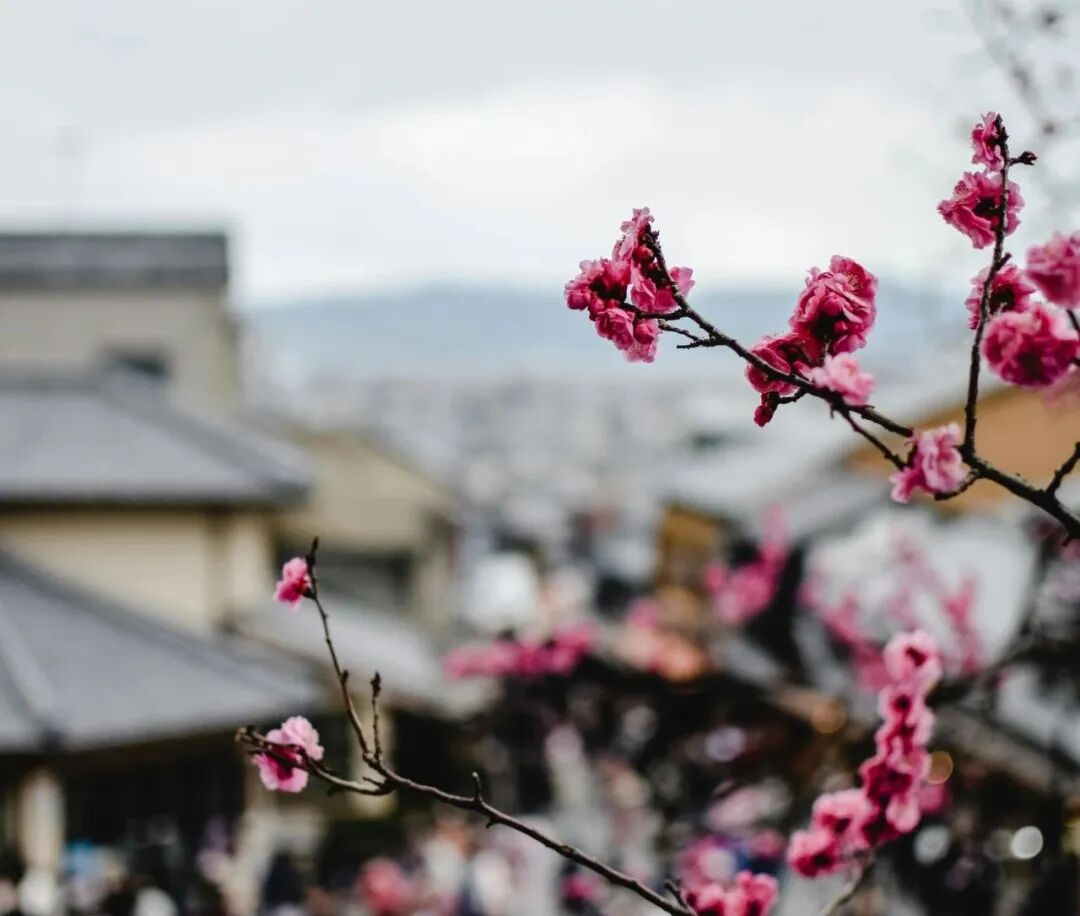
(633, 296)
(301, 756)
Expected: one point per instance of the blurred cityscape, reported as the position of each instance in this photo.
(150, 489)
(366, 341)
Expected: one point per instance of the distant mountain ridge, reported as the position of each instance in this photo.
(463, 329)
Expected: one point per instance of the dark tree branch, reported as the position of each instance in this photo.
(1067, 467)
(390, 780)
(848, 893)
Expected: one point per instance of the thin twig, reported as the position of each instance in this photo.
(1067, 467)
(851, 890)
(996, 263)
(392, 780)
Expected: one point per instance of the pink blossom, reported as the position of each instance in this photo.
(841, 814)
(787, 353)
(986, 141)
(837, 307)
(295, 582)
(600, 285)
(633, 233)
(814, 853)
(974, 205)
(384, 888)
(934, 465)
(750, 895)
(616, 325)
(1010, 291)
(580, 887)
(913, 658)
(841, 373)
(1055, 269)
(295, 739)
(1033, 349)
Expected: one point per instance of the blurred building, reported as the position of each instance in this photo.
(142, 521)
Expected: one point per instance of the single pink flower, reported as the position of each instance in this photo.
(913, 658)
(1055, 269)
(842, 814)
(934, 465)
(633, 233)
(837, 308)
(294, 739)
(974, 205)
(1033, 349)
(841, 373)
(814, 853)
(616, 325)
(986, 141)
(787, 353)
(295, 582)
(760, 893)
(1010, 291)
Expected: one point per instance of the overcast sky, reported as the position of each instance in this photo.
(354, 144)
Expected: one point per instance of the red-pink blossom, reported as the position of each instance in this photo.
(295, 582)
(837, 308)
(841, 814)
(787, 353)
(616, 325)
(986, 141)
(295, 739)
(385, 889)
(913, 658)
(841, 373)
(934, 464)
(975, 204)
(1055, 269)
(749, 895)
(559, 655)
(600, 285)
(815, 853)
(1010, 291)
(1033, 349)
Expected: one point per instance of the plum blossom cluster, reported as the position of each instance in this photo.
(1027, 343)
(933, 465)
(634, 268)
(747, 895)
(846, 826)
(294, 584)
(559, 655)
(833, 316)
(741, 593)
(282, 769)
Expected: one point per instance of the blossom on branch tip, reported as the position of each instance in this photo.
(1010, 291)
(934, 465)
(295, 582)
(749, 895)
(841, 373)
(986, 142)
(1033, 349)
(1055, 269)
(295, 739)
(975, 204)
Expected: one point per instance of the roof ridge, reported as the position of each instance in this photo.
(205, 651)
(214, 435)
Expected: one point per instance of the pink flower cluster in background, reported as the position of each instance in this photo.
(295, 739)
(384, 889)
(295, 582)
(1055, 269)
(602, 285)
(559, 655)
(833, 316)
(846, 826)
(740, 594)
(934, 464)
(747, 895)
